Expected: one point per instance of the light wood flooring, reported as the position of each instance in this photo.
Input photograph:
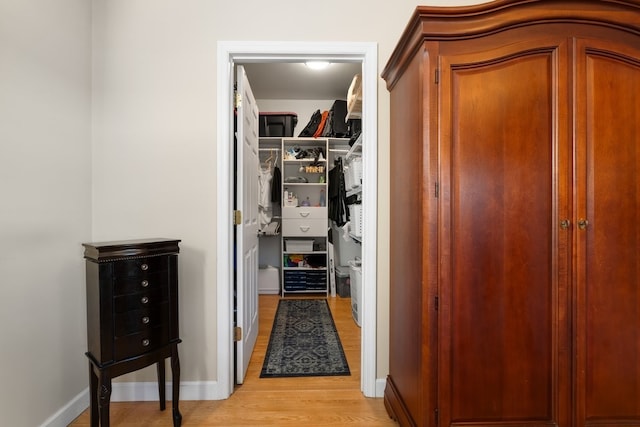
(308, 402)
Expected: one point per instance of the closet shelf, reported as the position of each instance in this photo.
(356, 238)
(353, 191)
(304, 252)
(286, 184)
(356, 149)
(304, 160)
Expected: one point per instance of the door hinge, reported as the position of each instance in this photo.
(437, 76)
(435, 416)
(237, 103)
(436, 303)
(237, 333)
(437, 190)
(237, 217)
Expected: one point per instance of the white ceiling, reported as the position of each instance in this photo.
(297, 81)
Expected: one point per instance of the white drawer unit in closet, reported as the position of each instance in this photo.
(304, 212)
(305, 221)
(304, 227)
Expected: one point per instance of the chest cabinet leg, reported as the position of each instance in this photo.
(93, 396)
(161, 384)
(175, 372)
(104, 397)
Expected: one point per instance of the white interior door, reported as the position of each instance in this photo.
(247, 165)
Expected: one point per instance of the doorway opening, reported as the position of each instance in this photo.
(229, 54)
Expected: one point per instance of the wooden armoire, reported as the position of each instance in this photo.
(515, 215)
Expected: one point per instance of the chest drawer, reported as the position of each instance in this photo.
(141, 342)
(140, 320)
(304, 213)
(147, 282)
(141, 300)
(304, 227)
(140, 268)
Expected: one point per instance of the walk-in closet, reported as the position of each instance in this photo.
(309, 195)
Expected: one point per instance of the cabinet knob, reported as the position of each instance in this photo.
(144, 283)
(144, 300)
(145, 319)
(144, 267)
(582, 223)
(146, 342)
(565, 224)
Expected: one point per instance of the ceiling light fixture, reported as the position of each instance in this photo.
(317, 65)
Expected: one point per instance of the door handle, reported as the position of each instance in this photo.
(304, 228)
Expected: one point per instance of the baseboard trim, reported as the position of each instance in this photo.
(190, 390)
(380, 385)
(70, 411)
(148, 391)
(131, 392)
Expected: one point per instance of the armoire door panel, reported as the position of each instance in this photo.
(409, 274)
(608, 289)
(499, 327)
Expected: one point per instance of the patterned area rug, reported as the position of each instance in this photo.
(304, 342)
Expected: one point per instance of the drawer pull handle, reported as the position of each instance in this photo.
(144, 267)
(145, 283)
(146, 342)
(304, 228)
(145, 319)
(144, 300)
(304, 214)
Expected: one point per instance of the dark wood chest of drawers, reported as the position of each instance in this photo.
(132, 315)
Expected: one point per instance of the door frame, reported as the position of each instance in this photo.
(229, 53)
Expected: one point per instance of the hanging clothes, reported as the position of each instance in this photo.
(337, 195)
(276, 186)
(265, 212)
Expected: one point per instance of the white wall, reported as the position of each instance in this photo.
(155, 131)
(138, 78)
(45, 186)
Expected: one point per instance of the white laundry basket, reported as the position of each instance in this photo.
(355, 277)
(268, 280)
(355, 216)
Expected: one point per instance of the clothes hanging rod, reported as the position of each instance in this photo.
(268, 149)
(337, 150)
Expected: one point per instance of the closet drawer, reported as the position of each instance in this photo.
(304, 227)
(304, 213)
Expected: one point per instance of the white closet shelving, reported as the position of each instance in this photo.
(304, 216)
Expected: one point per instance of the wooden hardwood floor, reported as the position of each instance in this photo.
(310, 402)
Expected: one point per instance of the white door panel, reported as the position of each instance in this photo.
(247, 167)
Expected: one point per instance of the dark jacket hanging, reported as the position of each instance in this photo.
(337, 195)
(276, 186)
